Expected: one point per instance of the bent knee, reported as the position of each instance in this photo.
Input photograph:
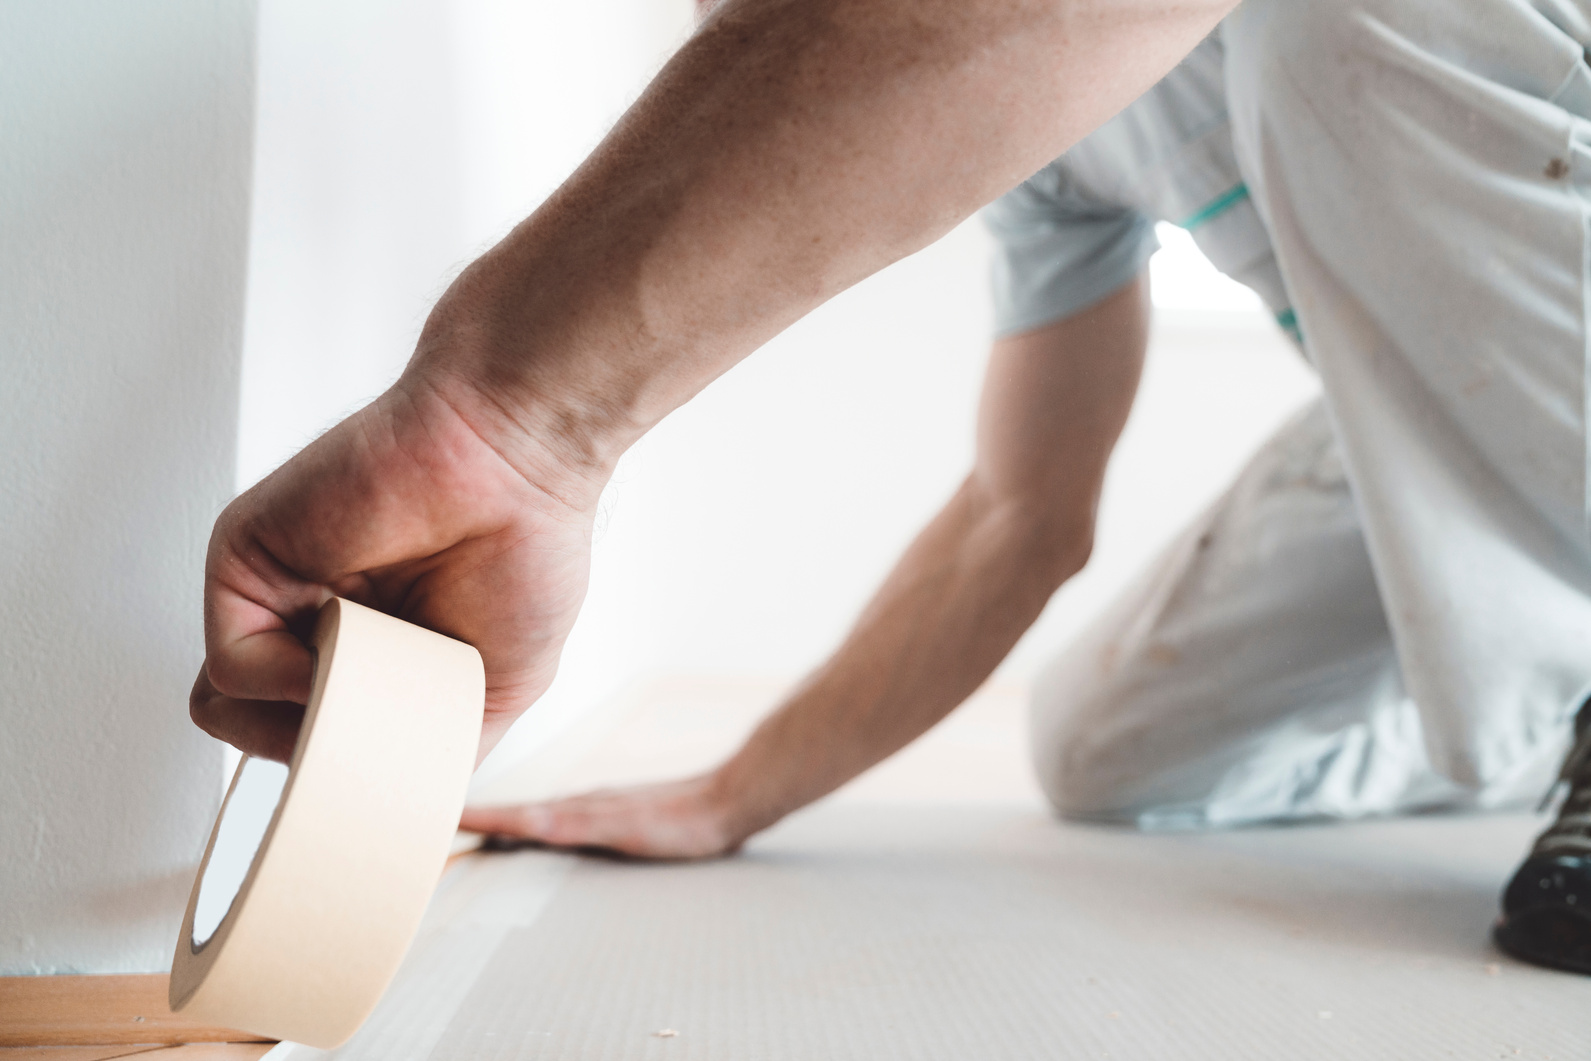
(1075, 751)
(1114, 751)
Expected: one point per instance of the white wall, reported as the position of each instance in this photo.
(396, 140)
(124, 167)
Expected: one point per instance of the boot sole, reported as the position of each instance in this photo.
(1557, 937)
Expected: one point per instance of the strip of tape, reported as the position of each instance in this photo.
(482, 899)
(336, 891)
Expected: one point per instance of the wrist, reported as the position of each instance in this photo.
(518, 375)
(541, 441)
(520, 359)
(743, 800)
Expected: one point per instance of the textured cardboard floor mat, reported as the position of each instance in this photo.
(971, 933)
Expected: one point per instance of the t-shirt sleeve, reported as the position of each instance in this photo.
(1059, 250)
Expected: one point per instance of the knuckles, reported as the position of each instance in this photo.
(263, 730)
(201, 704)
(225, 676)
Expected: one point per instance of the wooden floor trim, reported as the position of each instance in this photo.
(144, 1052)
(98, 1011)
(126, 1010)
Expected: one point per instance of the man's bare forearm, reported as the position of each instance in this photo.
(790, 149)
(966, 590)
(974, 580)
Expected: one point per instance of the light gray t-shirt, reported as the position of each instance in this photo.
(1083, 226)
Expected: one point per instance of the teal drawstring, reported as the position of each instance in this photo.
(1289, 322)
(1216, 207)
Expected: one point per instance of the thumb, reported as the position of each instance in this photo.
(525, 821)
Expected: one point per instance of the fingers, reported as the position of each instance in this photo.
(251, 649)
(524, 822)
(265, 729)
(254, 684)
(257, 674)
(663, 822)
(272, 665)
(573, 823)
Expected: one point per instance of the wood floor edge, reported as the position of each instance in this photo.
(105, 1010)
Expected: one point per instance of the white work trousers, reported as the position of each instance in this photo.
(1391, 608)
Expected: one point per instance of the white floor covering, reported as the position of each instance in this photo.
(883, 925)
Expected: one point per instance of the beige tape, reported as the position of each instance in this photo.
(358, 840)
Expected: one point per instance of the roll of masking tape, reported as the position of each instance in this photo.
(316, 874)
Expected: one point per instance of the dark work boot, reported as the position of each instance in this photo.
(1547, 906)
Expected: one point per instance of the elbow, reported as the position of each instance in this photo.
(1060, 549)
(1051, 542)
(1047, 535)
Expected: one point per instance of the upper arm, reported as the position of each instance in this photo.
(1054, 401)
(1071, 316)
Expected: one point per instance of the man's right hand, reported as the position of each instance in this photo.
(423, 505)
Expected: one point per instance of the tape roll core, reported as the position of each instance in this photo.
(359, 837)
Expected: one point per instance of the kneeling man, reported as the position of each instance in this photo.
(1390, 608)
